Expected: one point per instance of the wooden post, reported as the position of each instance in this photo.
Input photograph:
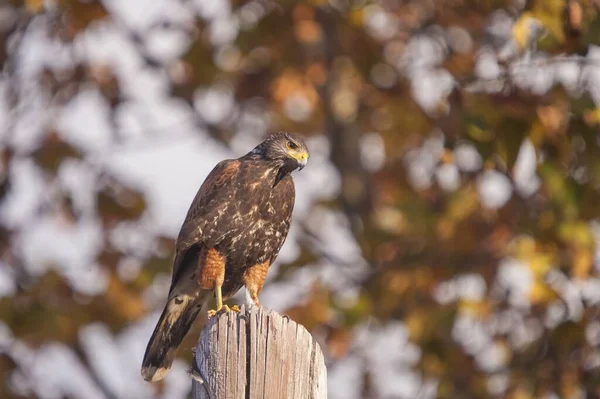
(257, 354)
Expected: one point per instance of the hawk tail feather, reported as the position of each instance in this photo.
(174, 323)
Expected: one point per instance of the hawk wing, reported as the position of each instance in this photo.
(204, 222)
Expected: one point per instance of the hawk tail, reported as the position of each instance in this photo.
(174, 323)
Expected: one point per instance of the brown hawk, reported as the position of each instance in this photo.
(232, 233)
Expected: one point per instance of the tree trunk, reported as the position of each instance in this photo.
(256, 354)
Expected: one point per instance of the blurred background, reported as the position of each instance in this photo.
(446, 230)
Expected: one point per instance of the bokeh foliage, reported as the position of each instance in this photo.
(348, 69)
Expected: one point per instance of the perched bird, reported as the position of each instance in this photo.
(232, 233)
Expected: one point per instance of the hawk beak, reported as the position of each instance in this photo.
(302, 159)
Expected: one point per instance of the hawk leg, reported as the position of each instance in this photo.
(254, 279)
(220, 305)
(211, 275)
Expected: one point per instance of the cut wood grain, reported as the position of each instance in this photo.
(257, 354)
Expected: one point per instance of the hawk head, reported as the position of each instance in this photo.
(284, 149)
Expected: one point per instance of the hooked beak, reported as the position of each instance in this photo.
(302, 160)
(302, 164)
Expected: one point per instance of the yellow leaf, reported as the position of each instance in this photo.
(539, 293)
(432, 365)
(551, 14)
(416, 325)
(123, 301)
(34, 6)
(479, 134)
(524, 247)
(575, 13)
(540, 264)
(308, 31)
(477, 309)
(447, 156)
(592, 117)
(398, 283)
(521, 393)
(390, 220)
(526, 30)
(582, 263)
(552, 117)
(463, 204)
(576, 234)
(355, 17)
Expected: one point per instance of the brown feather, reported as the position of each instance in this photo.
(254, 279)
(211, 269)
(207, 204)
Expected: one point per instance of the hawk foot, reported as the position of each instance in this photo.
(223, 309)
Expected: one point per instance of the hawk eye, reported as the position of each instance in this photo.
(292, 146)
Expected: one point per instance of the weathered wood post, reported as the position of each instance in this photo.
(257, 354)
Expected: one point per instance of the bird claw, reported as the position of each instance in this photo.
(224, 309)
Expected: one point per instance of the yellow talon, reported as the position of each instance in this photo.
(220, 306)
(223, 309)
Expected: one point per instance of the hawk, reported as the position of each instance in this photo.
(232, 233)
